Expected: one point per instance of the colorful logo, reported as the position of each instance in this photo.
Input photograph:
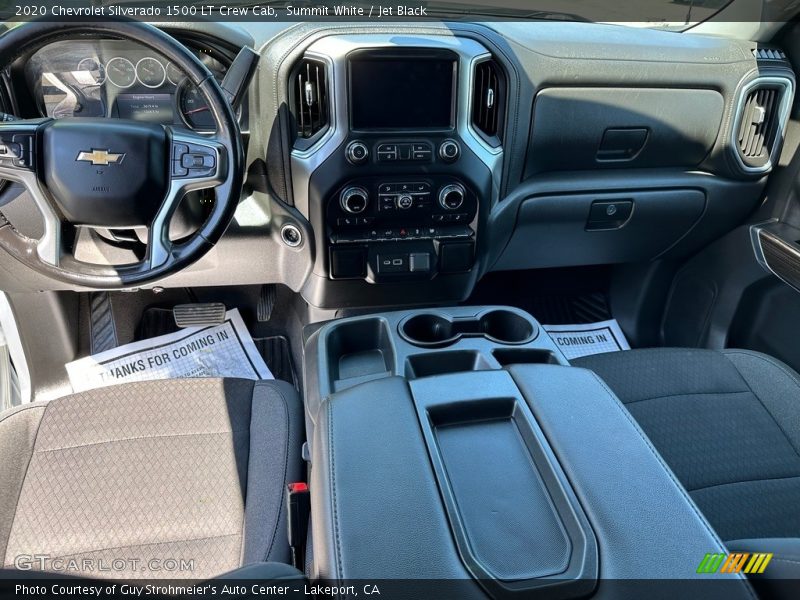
(736, 562)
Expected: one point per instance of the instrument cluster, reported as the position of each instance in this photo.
(116, 79)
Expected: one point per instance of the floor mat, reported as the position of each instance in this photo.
(582, 339)
(274, 349)
(555, 296)
(570, 309)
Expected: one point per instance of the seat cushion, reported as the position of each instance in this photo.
(186, 470)
(727, 423)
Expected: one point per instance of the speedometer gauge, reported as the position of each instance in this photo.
(151, 72)
(121, 72)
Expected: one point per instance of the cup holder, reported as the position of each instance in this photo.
(506, 327)
(428, 330)
(435, 331)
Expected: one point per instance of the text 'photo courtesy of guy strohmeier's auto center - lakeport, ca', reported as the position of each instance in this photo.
(409, 299)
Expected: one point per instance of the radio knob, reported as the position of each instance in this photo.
(451, 197)
(405, 202)
(357, 153)
(449, 151)
(354, 200)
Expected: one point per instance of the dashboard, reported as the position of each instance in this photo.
(393, 168)
(116, 79)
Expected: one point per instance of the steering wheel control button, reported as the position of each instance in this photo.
(16, 150)
(198, 160)
(357, 153)
(193, 161)
(609, 214)
(291, 235)
(354, 200)
(449, 151)
(179, 150)
(451, 197)
(11, 154)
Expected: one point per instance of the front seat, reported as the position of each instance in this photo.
(728, 424)
(145, 475)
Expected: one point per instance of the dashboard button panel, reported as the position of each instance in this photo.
(416, 151)
(403, 196)
(419, 201)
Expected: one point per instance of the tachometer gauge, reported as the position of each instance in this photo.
(174, 74)
(121, 72)
(150, 72)
(194, 108)
(90, 72)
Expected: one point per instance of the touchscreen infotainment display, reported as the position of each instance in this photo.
(390, 93)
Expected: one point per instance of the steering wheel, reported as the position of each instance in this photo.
(118, 173)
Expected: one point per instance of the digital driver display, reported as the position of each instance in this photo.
(154, 108)
(391, 93)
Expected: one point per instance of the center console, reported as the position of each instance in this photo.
(398, 187)
(405, 185)
(458, 447)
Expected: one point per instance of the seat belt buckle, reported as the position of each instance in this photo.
(298, 511)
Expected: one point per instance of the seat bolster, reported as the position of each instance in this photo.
(775, 384)
(276, 438)
(18, 429)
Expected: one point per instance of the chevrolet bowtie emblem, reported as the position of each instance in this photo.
(100, 157)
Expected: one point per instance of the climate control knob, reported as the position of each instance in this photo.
(451, 197)
(449, 151)
(354, 200)
(405, 202)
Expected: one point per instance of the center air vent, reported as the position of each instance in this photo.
(762, 119)
(488, 99)
(308, 93)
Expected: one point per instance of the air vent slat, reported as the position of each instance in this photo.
(309, 98)
(769, 54)
(487, 99)
(760, 123)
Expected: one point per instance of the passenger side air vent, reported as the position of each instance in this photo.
(761, 121)
(488, 100)
(757, 130)
(308, 93)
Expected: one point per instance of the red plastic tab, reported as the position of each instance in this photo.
(298, 487)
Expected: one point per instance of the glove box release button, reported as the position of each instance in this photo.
(609, 214)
